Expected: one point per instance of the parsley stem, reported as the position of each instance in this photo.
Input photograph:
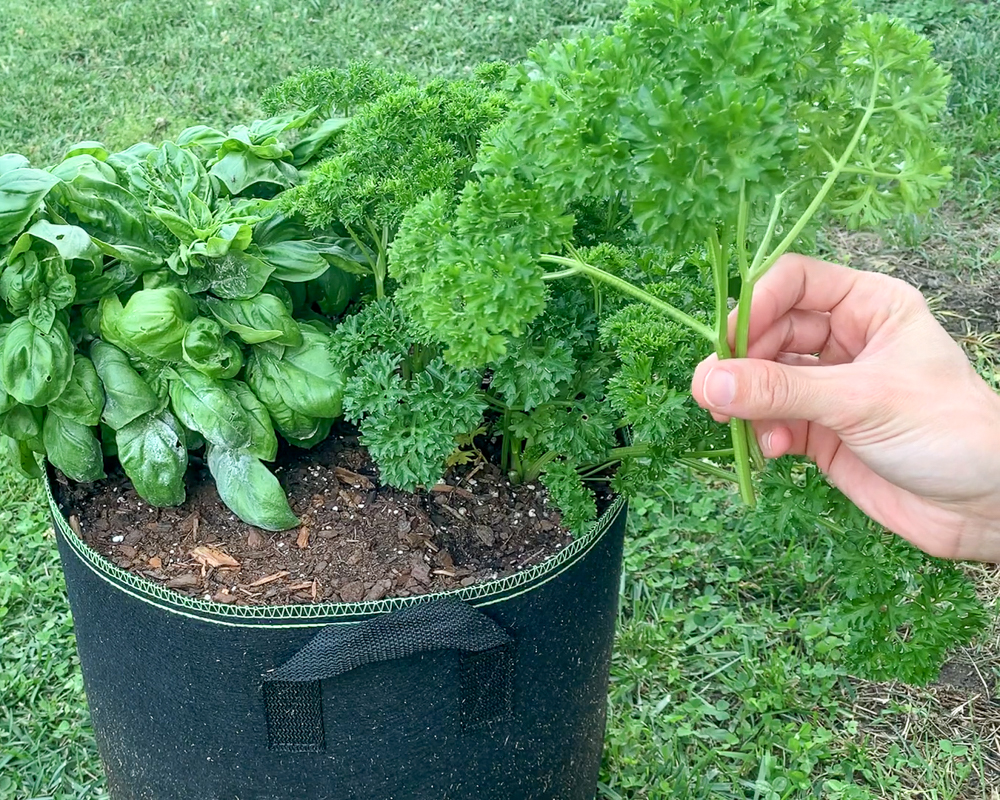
(720, 279)
(831, 178)
(709, 469)
(765, 243)
(721, 453)
(577, 267)
(742, 222)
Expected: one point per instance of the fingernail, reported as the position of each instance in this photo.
(720, 388)
(765, 443)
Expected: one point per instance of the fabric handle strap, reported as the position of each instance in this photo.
(292, 692)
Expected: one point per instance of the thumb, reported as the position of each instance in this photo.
(758, 389)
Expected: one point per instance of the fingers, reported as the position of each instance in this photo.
(800, 332)
(765, 390)
(857, 302)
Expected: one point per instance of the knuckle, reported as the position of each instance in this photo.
(775, 389)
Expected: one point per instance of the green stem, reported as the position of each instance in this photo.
(765, 243)
(831, 178)
(723, 453)
(720, 280)
(364, 250)
(532, 471)
(738, 430)
(709, 469)
(742, 222)
(577, 267)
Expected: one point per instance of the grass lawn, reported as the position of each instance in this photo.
(728, 679)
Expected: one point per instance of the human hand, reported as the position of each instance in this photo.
(851, 369)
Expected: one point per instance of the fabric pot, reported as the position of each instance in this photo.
(493, 692)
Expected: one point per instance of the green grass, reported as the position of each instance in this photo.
(727, 680)
(122, 72)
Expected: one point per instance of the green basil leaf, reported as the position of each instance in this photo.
(110, 212)
(176, 224)
(250, 490)
(22, 192)
(237, 275)
(153, 322)
(36, 365)
(209, 407)
(127, 395)
(121, 162)
(73, 448)
(95, 149)
(333, 291)
(12, 161)
(153, 454)
(112, 280)
(313, 142)
(82, 400)
(84, 164)
(70, 241)
(263, 442)
(28, 277)
(238, 171)
(315, 378)
(231, 236)
(42, 314)
(295, 261)
(23, 458)
(266, 383)
(265, 318)
(207, 349)
(201, 137)
(24, 423)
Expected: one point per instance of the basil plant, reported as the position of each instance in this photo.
(158, 300)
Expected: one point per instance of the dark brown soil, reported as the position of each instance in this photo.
(358, 540)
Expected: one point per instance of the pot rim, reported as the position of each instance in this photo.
(320, 614)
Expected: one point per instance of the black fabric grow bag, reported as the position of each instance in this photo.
(494, 692)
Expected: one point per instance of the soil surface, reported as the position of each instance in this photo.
(357, 540)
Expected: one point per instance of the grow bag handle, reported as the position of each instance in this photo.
(292, 696)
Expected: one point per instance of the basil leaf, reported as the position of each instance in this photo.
(127, 395)
(248, 488)
(207, 349)
(209, 407)
(153, 322)
(73, 448)
(24, 423)
(110, 212)
(237, 275)
(294, 261)
(36, 365)
(12, 161)
(263, 442)
(153, 454)
(314, 376)
(264, 318)
(22, 192)
(42, 314)
(266, 385)
(313, 142)
(238, 171)
(23, 458)
(88, 148)
(82, 400)
(70, 241)
(333, 291)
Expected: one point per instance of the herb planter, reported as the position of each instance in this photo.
(497, 691)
